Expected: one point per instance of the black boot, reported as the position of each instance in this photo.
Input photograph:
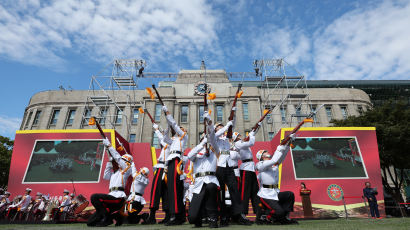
(172, 221)
(118, 220)
(145, 218)
(198, 223)
(105, 221)
(242, 220)
(224, 222)
(151, 219)
(213, 223)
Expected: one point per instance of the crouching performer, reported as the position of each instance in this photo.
(276, 205)
(135, 200)
(206, 186)
(107, 204)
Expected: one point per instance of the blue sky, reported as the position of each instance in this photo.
(45, 44)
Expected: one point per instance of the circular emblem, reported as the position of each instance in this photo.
(335, 192)
(200, 88)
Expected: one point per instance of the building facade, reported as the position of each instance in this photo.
(65, 109)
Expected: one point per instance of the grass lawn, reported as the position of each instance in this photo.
(389, 223)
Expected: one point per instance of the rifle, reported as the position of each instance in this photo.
(237, 95)
(162, 103)
(309, 118)
(256, 126)
(146, 111)
(93, 121)
(206, 109)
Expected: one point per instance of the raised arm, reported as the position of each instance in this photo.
(280, 154)
(167, 139)
(134, 170)
(162, 138)
(246, 144)
(224, 129)
(192, 154)
(171, 122)
(114, 153)
(277, 158)
(108, 171)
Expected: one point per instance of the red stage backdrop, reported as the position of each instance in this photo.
(332, 162)
(49, 161)
(347, 158)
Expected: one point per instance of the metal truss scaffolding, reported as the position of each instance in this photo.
(284, 90)
(112, 90)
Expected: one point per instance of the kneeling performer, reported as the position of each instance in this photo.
(277, 204)
(135, 200)
(106, 204)
(206, 186)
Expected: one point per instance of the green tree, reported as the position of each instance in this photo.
(392, 122)
(6, 148)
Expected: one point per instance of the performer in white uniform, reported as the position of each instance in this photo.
(159, 187)
(226, 171)
(106, 204)
(277, 204)
(13, 208)
(206, 185)
(4, 204)
(175, 184)
(136, 200)
(249, 184)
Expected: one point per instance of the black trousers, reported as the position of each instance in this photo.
(133, 217)
(175, 189)
(104, 205)
(206, 200)
(226, 176)
(374, 210)
(249, 190)
(159, 191)
(279, 208)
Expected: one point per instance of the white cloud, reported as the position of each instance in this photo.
(9, 125)
(275, 42)
(40, 33)
(365, 44)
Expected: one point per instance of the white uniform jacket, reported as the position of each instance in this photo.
(233, 160)
(245, 152)
(24, 203)
(138, 185)
(203, 164)
(119, 178)
(165, 142)
(219, 141)
(179, 141)
(65, 204)
(269, 173)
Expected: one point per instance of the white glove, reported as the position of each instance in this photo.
(110, 159)
(164, 108)
(230, 123)
(292, 137)
(108, 165)
(106, 142)
(260, 124)
(155, 126)
(234, 108)
(252, 133)
(206, 116)
(204, 141)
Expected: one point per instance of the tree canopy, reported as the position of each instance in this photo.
(6, 148)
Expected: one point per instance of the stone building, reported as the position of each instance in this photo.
(66, 109)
